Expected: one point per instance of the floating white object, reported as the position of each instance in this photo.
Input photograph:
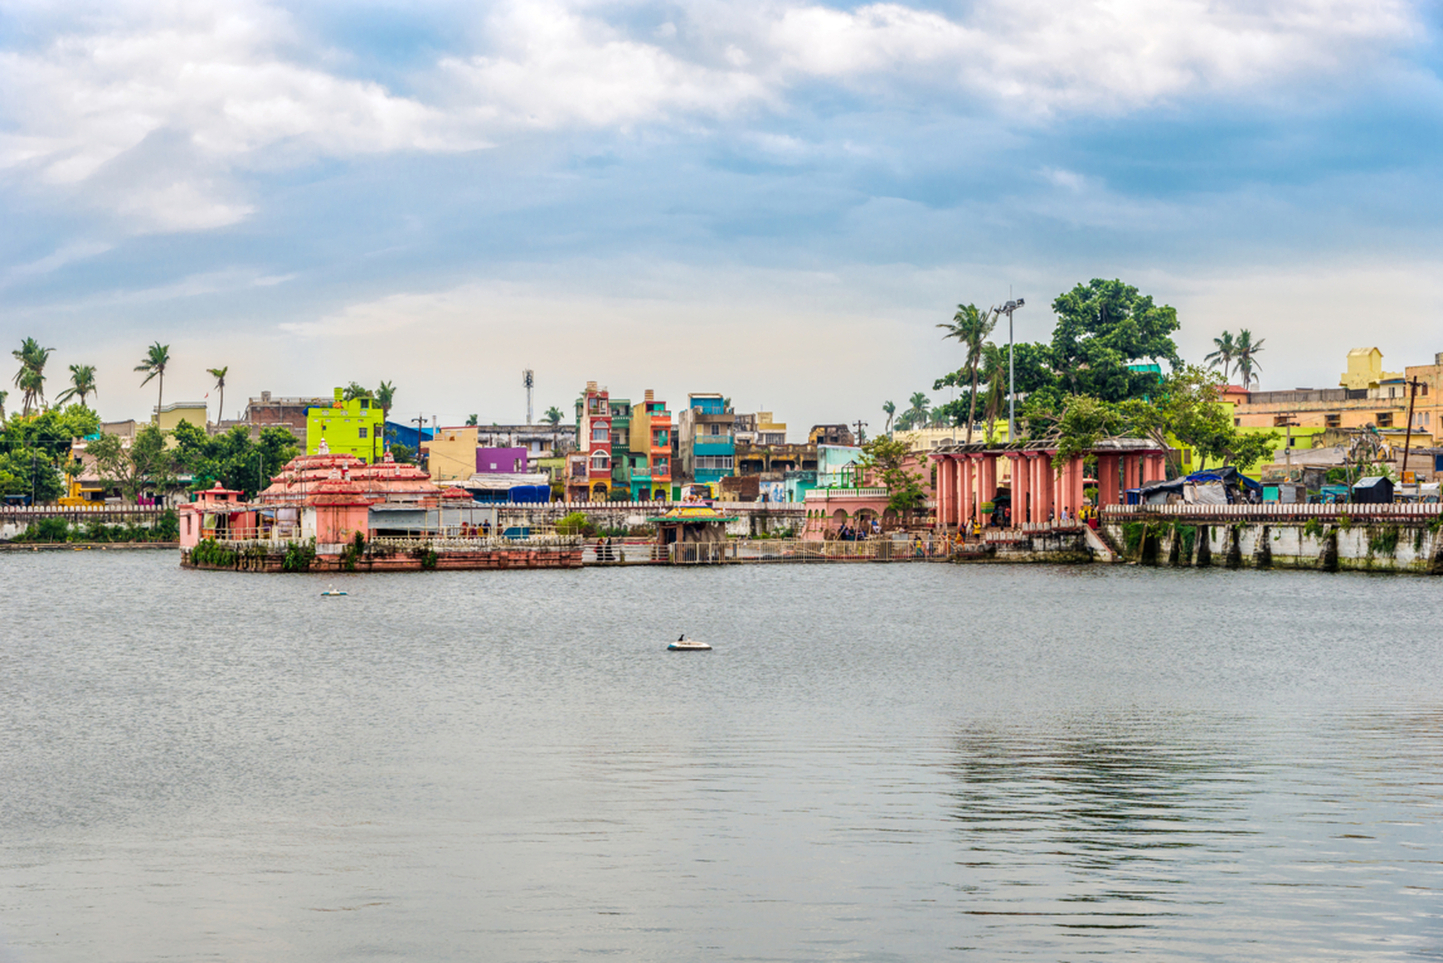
(332, 591)
(685, 644)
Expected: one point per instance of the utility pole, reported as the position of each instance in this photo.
(860, 425)
(1408, 434)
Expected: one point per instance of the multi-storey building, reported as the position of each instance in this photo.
(588, 475)
(705, 431)
(759, 428)
(831, 435)
(288, 413)
(354, 427)
(1367, 396)
(649, 451)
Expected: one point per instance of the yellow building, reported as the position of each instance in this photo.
(1365, 370)
(1368, 396)
(1428, 401)
(452, 454)
(167, 419)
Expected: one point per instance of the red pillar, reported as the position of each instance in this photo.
(940, 492)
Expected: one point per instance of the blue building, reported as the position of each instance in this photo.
(706, 438)
(399, 434)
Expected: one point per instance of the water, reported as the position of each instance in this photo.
(877, 762)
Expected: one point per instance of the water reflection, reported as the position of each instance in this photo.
(1190, 835)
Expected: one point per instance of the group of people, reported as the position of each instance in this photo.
(469, 530)
(863, 530)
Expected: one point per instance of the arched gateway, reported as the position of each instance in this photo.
(969, 477)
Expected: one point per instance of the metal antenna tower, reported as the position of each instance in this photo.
(529, 380)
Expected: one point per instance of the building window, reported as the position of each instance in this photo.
(600, 433)
(1280, 421)
(1332, 421)
(1385, 419)
(661, 466)
(599, 462)
(362, 431)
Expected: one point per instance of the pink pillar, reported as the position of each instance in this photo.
(1020, 469)
(1107, 485)
(1049, 487)
(1079, 476)
(967, 484)
(940, 491)
(989, 478)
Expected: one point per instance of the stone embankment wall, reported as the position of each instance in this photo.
(1365, 543)
(1058, 546)
(417, 561)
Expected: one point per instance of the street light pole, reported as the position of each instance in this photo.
(1007, 309)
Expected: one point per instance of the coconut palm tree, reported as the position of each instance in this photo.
(994, 374)
(1227, 351)
(1246, 351)
(82, 384)
(219, 375)
(156, 358)
(471, 421)
(3, 396)
(971, 327)
(917, 413)
(553, 418)
(890, 409)
(31, 377)
(385, 396)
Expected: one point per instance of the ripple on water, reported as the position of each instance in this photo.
(877, 762)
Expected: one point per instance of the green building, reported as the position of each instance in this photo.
(352, 427)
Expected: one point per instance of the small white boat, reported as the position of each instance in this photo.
(684, 644)
(332, 591)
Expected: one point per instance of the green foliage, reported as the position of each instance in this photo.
(402, 454)
(1383, 541)
(970, 327)
(1104, 326)
(30, 379)
(1133, 534)
(1313, 528)
(575, 523)
(299, 556)
(888, 457)
(1345, 522)
(45, 530)
(1188, 534)
(427, 556)
(352, 551)
(27, 471)
(147, 463)
(232, 458)
(212, 553)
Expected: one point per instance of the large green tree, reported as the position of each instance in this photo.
(232, 458)
(1102, 328)
(146, 464)
(887, 458)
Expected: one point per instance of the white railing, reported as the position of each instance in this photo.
(821, 494)
(795, 550)
(1275, 509)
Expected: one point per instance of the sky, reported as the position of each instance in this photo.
(778, 201)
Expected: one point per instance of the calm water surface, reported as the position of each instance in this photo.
(904, 762)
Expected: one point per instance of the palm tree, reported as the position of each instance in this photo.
(219, 375)
(3, 396)
(971, 327)
(890, 409)
(31, 376)
(1246, 352)
(553, 417)
(355, 390)
(994, 374)
(156, 358)
(1227, 350)
(471, 421)
(917, 414)
(82, 384)
(385, 395)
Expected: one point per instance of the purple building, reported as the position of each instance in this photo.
(501, 460)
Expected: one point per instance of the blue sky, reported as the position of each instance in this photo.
(774, 200)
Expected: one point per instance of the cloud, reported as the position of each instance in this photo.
(213, 81)
(559, 68)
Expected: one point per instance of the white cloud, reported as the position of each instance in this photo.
(557, 68)
(149, 109)
(215, 75)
